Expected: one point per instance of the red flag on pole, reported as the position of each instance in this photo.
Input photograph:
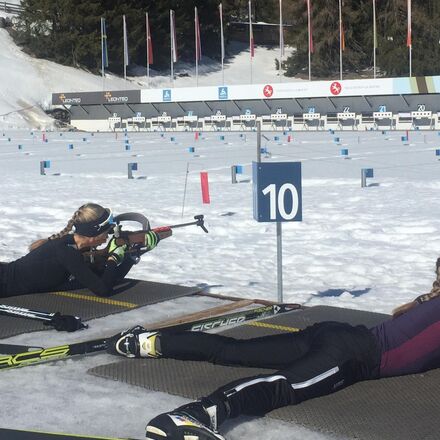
(310, 29)
(251, 33)
(409, 34)
(341, 28)
(342, 36)
(197, 32)
(149, 42)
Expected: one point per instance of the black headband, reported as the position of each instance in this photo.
(96, 227)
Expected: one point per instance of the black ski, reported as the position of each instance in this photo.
(18, 434)
(17, 357)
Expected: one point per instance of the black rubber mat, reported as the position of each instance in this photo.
(386, 409)
(129, 295)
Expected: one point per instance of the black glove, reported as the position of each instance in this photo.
(66, 323)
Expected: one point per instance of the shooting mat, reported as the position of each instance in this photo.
(386, 409)
(130, 294)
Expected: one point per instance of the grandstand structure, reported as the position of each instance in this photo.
(365, 104)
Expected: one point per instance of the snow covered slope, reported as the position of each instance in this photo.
(26, 83)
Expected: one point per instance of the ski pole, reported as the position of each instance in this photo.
(60, 322)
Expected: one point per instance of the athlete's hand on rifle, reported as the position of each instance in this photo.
(116, 251)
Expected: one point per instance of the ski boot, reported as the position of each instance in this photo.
(194, 421)
(136, 342)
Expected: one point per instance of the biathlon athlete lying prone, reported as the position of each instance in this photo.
(319, 360)
(58, 263)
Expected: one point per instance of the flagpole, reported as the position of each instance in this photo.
(102, 53)
(281, 40)
(340, 39)
(409, 38)
(309, 27)
(222, 43)
(251, 37)
(374, 39)
(147, 28)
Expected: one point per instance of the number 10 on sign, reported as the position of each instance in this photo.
(277, 191)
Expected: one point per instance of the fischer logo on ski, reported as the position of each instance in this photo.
(219, 323)
(40, 355)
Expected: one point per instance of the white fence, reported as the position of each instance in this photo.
(415, 120)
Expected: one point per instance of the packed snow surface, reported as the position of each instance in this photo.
(366, 248)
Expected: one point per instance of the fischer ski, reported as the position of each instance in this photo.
(35, 355)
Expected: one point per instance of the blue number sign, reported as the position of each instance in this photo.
(277, 193)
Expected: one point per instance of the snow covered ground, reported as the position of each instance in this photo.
(369, 248)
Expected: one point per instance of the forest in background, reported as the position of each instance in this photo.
(69, 32)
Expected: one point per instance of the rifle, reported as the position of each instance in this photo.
(135, 240)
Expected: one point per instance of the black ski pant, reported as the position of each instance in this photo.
(319, 360)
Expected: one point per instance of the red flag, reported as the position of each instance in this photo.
(309, 21)
(341, 28)
(409, 34)
(251, 34)
(342, 37)
(149, 41)
(197, 32)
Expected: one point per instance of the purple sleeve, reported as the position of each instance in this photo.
(411, 342)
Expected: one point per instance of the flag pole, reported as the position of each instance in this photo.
(309, 27)
(409, 38)
(281, 40)
(340, 39)
(374, 39)
(222, 43)
(251, 37)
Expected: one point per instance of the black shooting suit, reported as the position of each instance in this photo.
(58, 265)
(319, 360)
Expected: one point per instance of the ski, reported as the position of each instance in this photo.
(36, 355)
(18, 434)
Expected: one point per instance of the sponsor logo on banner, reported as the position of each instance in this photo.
(335, 88)
(222, 93)
(73, 100)
(268, 91)
(166, 95)
(114, 99)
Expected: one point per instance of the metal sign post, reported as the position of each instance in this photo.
(277, 197)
